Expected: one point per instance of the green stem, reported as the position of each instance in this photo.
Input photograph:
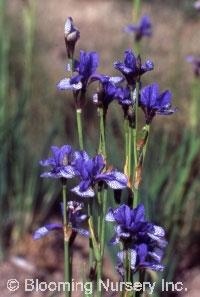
(147, 127)
(99, 215)
(105, 196)
(141, 281)
(136, 105)
(126, 125)
(129, 150)
(79, 126)
(135, 200)
(78, 114)
(102, 144)
(91, 249)
(135, 132)
(66, 242)
(136, 10)
(99, 275)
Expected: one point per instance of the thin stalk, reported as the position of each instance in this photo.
(79, 126)
(78, 113)
(99, 215)
(129, 151)
(126, 125)
(136, 105)
(66, 243)
(147, 126)
(99, 275)
(136, 9)
(102, 145)
(141, 280)
(135, 132)
(91, 249)
(105, 196)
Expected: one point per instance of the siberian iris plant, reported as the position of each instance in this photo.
(93, 171)
(142, 243)
(74, 218)
(143, 29)
(60, 163)
(152, 102)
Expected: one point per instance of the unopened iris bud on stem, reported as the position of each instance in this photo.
(72, 35)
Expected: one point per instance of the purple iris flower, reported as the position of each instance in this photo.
(106, 95)
(141, 258)
(60, 163)
(154, 103)
(129, 222)
(124, 96)
(132, 68)
(92, 171)
(74, 218)
(85, 68)
(143, 29)
(143, 239)
(72, 35)
(107, 90)
(196, 64)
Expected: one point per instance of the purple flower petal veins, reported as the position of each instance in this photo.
(154, 103)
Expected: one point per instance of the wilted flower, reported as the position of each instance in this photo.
(85, 68)
(143, 29)
(74, 218)
(132, 68)
(196, 64)
(60, 163)
(92, 171)
(154, 103)
(72, 35)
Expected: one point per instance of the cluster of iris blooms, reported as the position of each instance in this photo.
(142, 243)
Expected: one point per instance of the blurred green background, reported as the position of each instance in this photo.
(34, 115)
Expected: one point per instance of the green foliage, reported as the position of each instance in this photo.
(21, 188)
